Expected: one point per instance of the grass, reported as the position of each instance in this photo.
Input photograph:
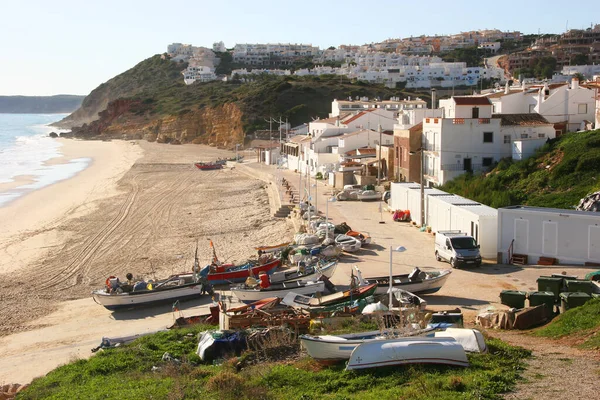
(562, 172)
(136, 371)
(581, 324)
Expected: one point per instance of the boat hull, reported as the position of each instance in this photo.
(239, 276)
(118, 301)
(383, 353)
(207, 167)
(326, 271)
(426, 286)
(251, 295)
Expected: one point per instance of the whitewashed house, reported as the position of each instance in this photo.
(569, 104)
(319, 150)
(470, 138)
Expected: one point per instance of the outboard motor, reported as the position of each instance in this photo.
(414, 275)
(328, 284)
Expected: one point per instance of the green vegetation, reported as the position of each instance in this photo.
(158, 85)
(581, 324)
(473, 56)
(562, 172)
(541, 68)
(127, 372)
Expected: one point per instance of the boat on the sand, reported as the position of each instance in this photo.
(417, 281)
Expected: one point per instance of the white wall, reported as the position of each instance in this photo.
(563, 105)
(573, 237)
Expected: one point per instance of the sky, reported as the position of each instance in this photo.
(71, 47)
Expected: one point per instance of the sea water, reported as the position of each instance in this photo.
(25, 147)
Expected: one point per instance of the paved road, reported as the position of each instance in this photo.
(472, 289)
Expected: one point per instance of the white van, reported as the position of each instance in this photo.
(457, 248)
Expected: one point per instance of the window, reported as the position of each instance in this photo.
(487, 161)
(582, 109)
(524, 136)
(475, 112)
(541, 135)
(506, 138)
(488, 137)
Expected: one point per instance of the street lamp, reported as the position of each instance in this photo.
(412, 153)
(398, 249)
(236, 151)
(329, 200)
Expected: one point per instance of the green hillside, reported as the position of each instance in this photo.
(158, 84)
(562, 172)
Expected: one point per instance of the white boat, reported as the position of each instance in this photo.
(178, 287)
(348, 243)
(416, 282)
(308, 273)
(368, 195)
(248, 294)
(470, 339)
(384, 353)
(334, 348)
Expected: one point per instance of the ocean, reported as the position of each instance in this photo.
(25, 147)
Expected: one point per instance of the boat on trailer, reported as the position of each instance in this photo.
(417, 281)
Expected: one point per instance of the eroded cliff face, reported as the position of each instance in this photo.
(217, 126)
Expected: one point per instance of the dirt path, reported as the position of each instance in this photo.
(555, 370)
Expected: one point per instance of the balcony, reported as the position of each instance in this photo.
(484, 121)
(458, 121)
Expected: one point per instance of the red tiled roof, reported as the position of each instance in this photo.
(471, 100)
(531, 119)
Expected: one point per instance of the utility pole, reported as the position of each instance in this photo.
(379, 163)
(270, 121)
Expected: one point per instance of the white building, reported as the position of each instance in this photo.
(445, 211)
(219, 47)
(588, 71)
(572, 237)
(558, 103)
(198, 74)
(469, 138)
(322, 149)
(394, 104)
(493, 46)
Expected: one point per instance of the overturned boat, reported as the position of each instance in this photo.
(417, 350)
(248, 294)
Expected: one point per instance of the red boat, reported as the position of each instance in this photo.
(208, 166)
(223, 274)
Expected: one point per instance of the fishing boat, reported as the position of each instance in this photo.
(272, 249)
(333, 348)
(205, 166)
(364, 239)
(430, 350)
(306, 273)
(348, 243)
(416, 282)
(248, 294)
(296, 299)
(328, 349)
(116, 295)
(222, 274)
(368, 195)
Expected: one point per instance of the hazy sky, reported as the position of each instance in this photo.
(72, 46)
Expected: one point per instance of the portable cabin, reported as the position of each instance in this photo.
(571, 237)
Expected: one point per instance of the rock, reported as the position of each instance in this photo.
(53, 135)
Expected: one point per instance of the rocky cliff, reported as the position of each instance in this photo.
(217, 126)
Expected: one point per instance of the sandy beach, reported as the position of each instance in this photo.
(139, 207)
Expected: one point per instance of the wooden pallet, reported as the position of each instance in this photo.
(519, 259)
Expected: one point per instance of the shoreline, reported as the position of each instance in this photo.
(37, 209)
